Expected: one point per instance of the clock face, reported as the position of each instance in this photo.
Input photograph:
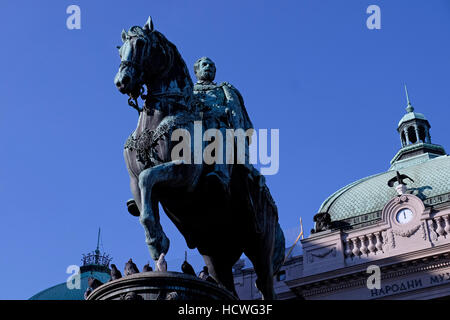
(404, 216)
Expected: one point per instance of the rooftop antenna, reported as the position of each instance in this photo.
(409, 108)
(98, 240)
(185, 255)
(97, 251)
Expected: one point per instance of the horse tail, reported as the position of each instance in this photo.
(278, 250)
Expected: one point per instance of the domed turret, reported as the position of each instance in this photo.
(360, 203)
(414, 130)
(94, 265)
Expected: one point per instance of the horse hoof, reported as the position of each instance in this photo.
(133, 208)
(165, 243)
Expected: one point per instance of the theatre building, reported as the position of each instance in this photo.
(399, 231)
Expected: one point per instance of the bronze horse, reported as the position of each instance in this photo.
(220, 227)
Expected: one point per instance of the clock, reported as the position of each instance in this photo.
(404, 216)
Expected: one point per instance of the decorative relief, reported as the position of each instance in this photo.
(384, 235)
(407, 233)
(424, 232)
(392, 240)
(401, 199)
(322, 254)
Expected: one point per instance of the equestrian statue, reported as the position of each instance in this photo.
(222, 208)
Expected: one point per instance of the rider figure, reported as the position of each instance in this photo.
(222, 108)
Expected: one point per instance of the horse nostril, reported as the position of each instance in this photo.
(126, 80)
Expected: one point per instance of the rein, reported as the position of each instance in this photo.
(135, 104)
(155, 96)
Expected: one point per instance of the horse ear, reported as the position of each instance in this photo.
(124, 36)
(148, 25)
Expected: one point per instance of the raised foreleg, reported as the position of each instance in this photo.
(170, 174)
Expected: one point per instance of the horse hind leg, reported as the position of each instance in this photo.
(221, 272)
(261, 256)
(264, 273)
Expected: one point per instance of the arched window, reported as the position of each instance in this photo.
(422, 134)
(412, 134)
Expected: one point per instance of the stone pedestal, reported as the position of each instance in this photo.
(401, 189)
(160, 286)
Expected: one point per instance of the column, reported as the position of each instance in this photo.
(371, 246)
(427, 135)
(406, 135)
(379, 243)
(416, 129)
(363, 248)
(355, 247)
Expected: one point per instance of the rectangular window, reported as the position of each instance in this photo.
(281, 276)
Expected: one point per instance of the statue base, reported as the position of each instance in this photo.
(401, 189)
(160, 286)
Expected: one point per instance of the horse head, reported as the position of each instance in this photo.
(144, 57)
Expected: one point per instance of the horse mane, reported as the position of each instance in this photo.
(177, 58)
(178, 69)
(137, 31)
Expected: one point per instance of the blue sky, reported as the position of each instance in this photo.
(309, 68)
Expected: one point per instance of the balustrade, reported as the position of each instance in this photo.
(363, 246)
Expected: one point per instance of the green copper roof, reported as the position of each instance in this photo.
(431, 178)
(61, 292)
(410, 116)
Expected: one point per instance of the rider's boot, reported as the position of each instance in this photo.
(133, 208)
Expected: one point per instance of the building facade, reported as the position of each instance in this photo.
(397, 233)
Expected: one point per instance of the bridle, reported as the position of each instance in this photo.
(132, 101)
(127, 63)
